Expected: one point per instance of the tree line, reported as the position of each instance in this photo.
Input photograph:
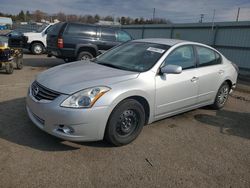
(38, 15)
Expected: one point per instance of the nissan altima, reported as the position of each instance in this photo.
(114, 95)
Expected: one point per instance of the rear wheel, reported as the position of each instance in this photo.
(222, 96)
(9, 68)
(84, 56)
(125, 122)
(37, 48)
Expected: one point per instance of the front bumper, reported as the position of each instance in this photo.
(84, 124)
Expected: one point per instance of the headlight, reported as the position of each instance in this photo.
(85, 98)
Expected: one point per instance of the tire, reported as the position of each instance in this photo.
(125, 122)
(37, 48)
(19, 62)
(222, 96)
(67, 60)
(9, 68)
(84, 56)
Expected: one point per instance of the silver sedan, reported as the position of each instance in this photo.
(114, 95)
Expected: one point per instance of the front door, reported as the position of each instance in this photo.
(177, 92)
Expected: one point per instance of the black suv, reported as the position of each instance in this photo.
(76, 41)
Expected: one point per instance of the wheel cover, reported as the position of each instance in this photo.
(38, 49)
(127, 123)
(223, 95)
(85, 57)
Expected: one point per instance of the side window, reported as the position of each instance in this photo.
(182, 56)
(122, 36)
(108, 34)
(218, 58)
(81, 30)
(207, 56)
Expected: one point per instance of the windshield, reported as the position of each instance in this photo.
(133, 56)
(40, 29)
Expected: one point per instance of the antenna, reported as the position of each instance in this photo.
(238, 14)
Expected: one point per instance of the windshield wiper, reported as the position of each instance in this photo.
(110, 65)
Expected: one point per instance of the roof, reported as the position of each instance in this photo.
(169, 42)
(5, 20)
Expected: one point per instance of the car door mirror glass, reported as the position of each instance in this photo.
(171, 69)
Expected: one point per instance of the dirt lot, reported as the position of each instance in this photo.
(201, 148)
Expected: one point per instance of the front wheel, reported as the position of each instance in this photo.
(125, 122)
(222, 96)
(37, 48)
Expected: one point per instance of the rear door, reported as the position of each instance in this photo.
(210, 71)
(177, 92)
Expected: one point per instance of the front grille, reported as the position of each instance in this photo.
(40, 92)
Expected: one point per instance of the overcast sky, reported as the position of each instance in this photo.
(174, 10)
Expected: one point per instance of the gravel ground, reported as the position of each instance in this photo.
(200, 148)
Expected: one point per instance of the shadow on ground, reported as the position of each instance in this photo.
(16, 127)
(229, 122)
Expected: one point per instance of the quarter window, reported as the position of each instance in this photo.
(207, 56)
(122, 36)
(182, 56)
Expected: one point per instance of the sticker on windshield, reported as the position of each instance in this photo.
(157, 50)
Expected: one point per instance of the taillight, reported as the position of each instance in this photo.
(60, 43)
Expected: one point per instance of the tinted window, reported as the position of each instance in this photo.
(81, 30)
(122, 36)
(207, 56)
(54, 29)
(182, 56)
(108, 34)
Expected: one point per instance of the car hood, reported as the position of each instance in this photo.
(31, 34)
(73, 77)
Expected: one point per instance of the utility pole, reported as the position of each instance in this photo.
(238, 14)
(202, 16)
(154, 15)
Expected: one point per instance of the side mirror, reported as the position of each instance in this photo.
(171, 69)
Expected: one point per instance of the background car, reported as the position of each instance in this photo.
(37, 39)
(75, 41)
(114, 95)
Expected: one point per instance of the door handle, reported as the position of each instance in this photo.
(221, 71)
(194, 79)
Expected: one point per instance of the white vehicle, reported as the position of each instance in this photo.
(114, 95)
(37, 39)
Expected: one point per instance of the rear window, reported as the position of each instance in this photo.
(54, 29)
(81, 30)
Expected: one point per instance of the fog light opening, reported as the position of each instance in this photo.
(65, 129)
